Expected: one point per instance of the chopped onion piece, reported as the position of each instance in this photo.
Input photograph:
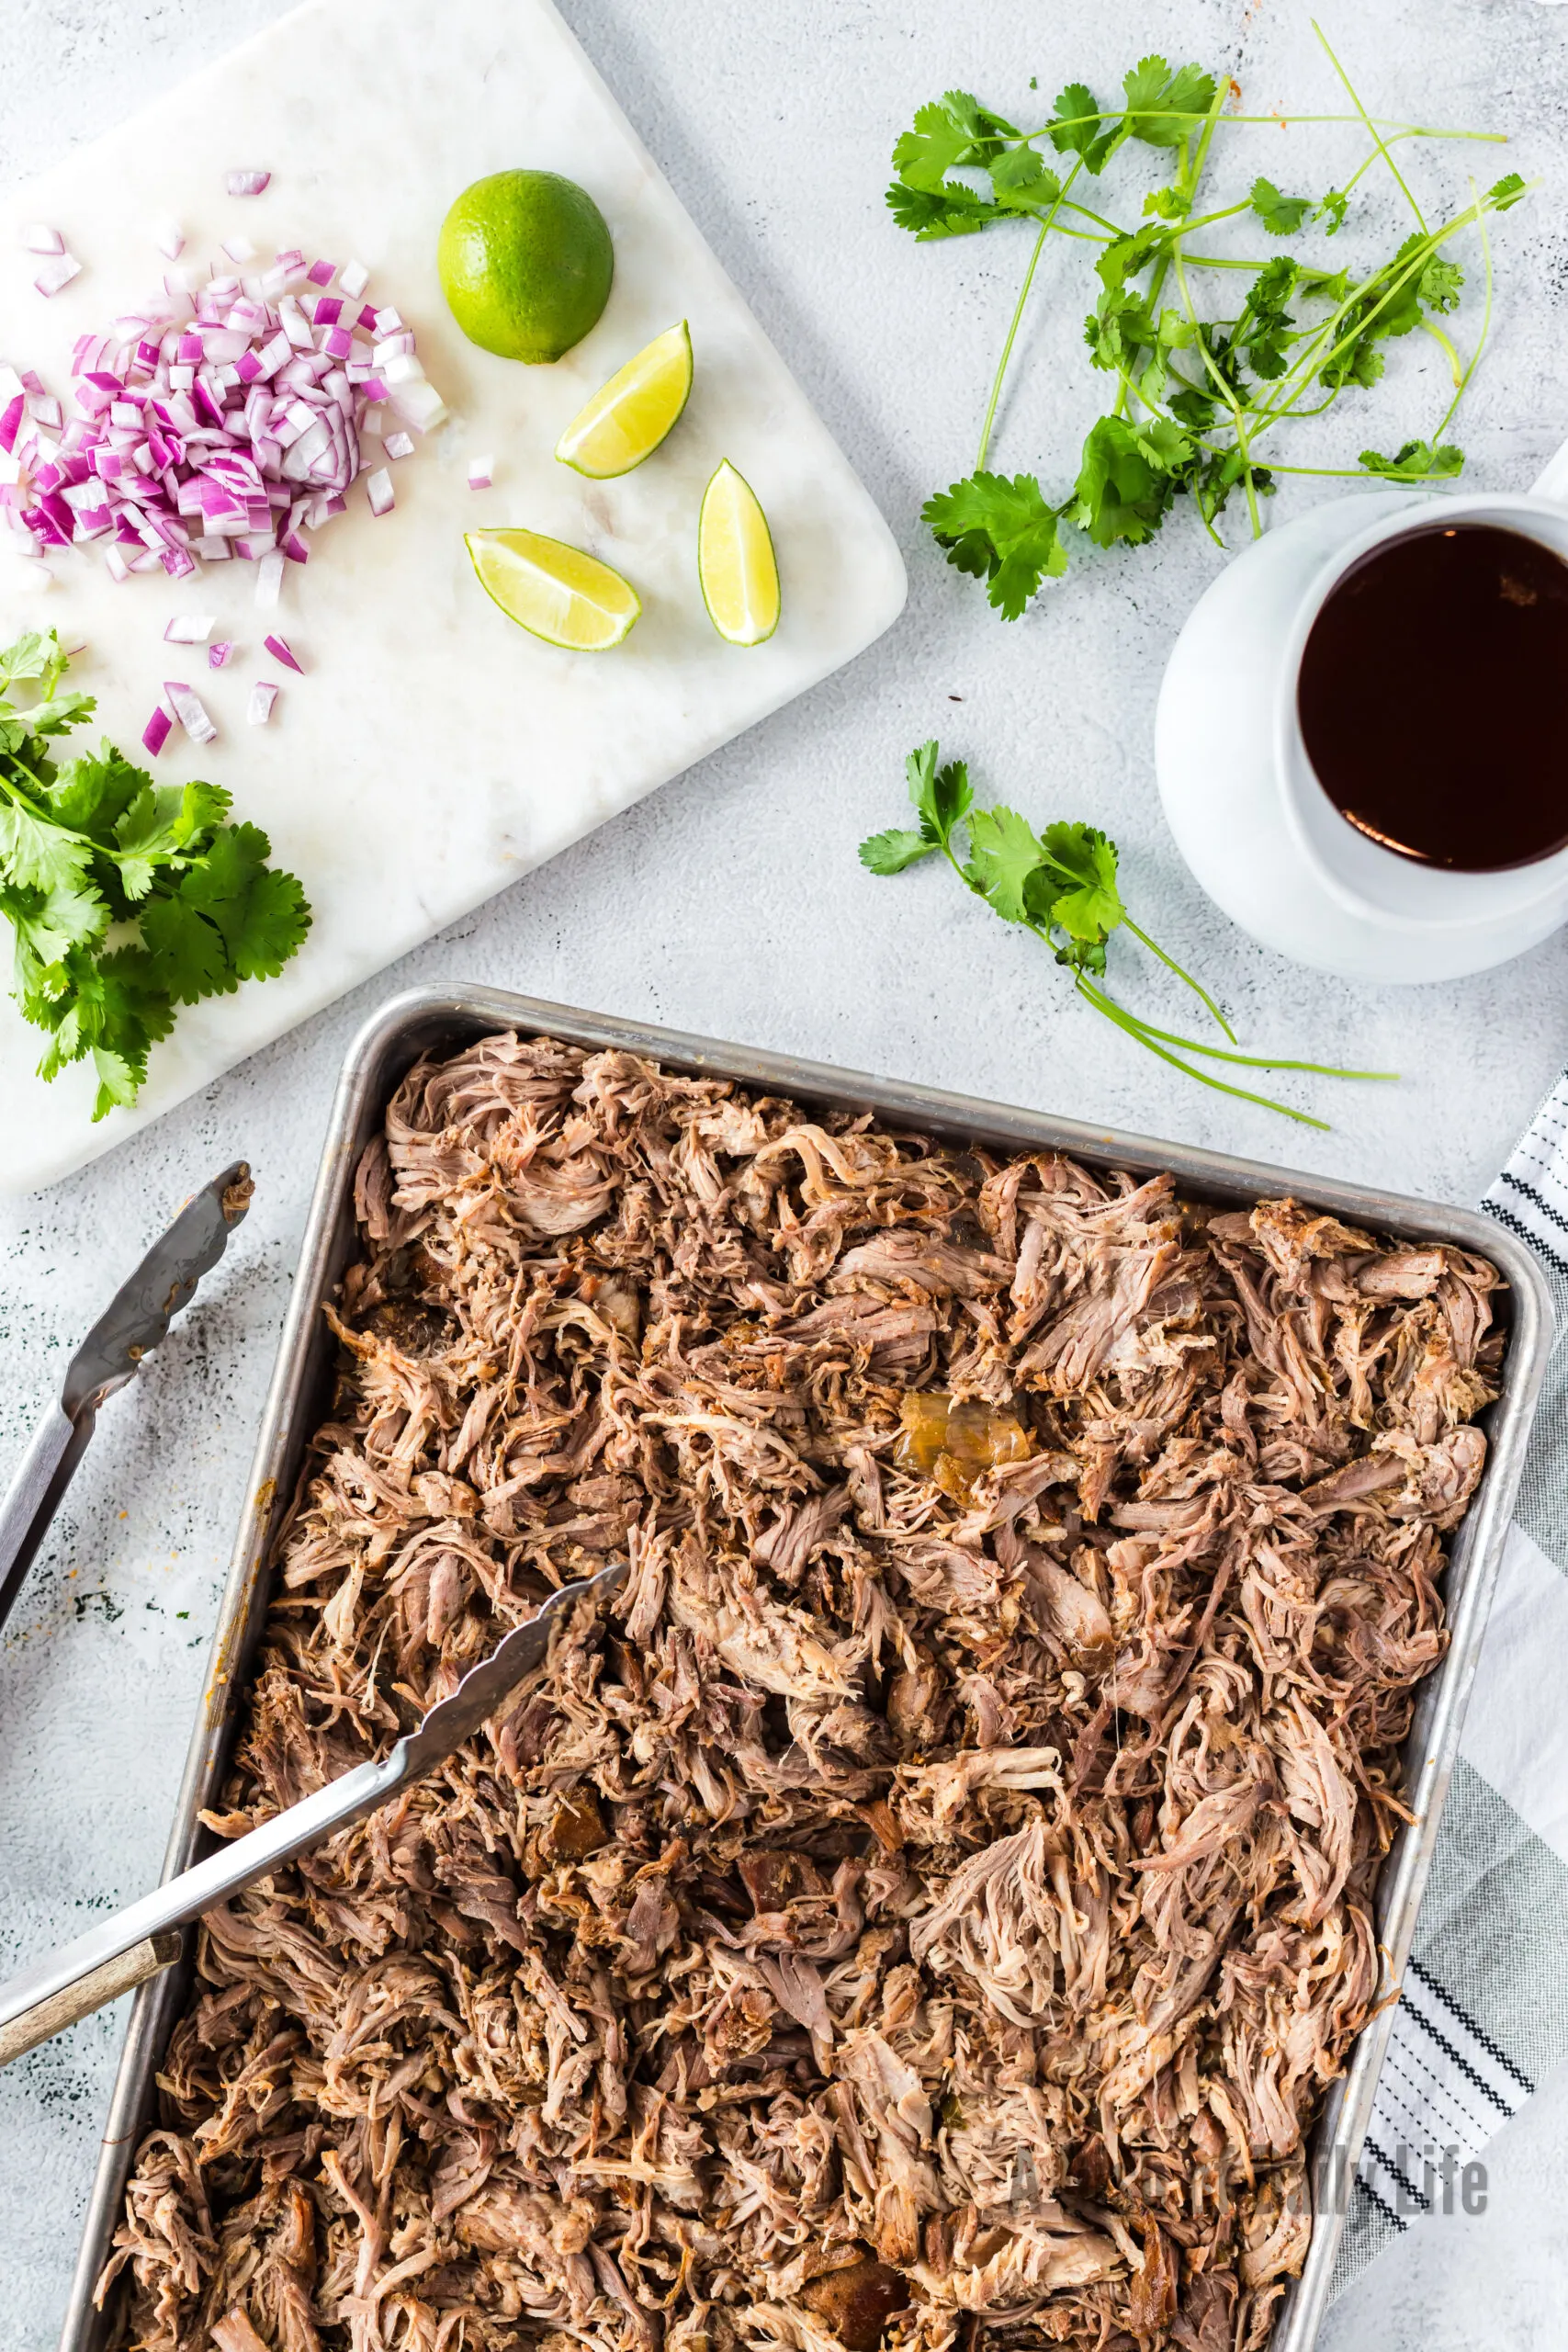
(379, 492)
(269, 578)
(220, 654)
(480, 472)
(281, 651)
(156, 732)
(115, 564)
(189, 628)
(238, 249)
(190, 710)
(420, 405)
(170, 241)
(39, 238)
(245, 183)
(57, 273)
(353, 277)
(396, 444)
(258, 710)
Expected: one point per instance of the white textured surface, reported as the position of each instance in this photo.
(398, 827)
(731, 901)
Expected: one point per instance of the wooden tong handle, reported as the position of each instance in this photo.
(122, 1975)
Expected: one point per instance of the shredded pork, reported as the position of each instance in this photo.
(927, 1900)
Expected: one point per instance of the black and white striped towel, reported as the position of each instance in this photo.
(1483, 2014)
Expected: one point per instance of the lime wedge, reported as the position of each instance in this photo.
(736, 563)
(626, 420)
(558, 593)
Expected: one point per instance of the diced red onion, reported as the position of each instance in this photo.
(280, 649)
(245, 183)
(39, 238)
(170, 241)
(421, 405)
(480, 471)
(227, 421)
(189, 628)
(238, 249)
(156, 732)
(269, 578)
(258, 710)
(57, 273)
(220, 654)
(190, 710)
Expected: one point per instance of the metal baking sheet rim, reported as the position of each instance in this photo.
(411, 1023)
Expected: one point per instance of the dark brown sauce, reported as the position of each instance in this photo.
(1431, 696)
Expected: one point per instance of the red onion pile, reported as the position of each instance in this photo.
(227, 421)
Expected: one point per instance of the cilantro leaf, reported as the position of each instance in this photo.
(1505, 191)
(93, 841)
(1163, 108)
(259, 914)
(1079, 127)
(1126, 479)
(1022, 182)
(956, 213)
(1280, 215)
(36, 852)
(942, 795)
(1087, 858)
(1416, 459)
(1003, 853)
(952, 134)
(1439, 284)
(49, 923)
(188, 957)
(999, 531)
(891, 852)
(34, 655)
(1332, 210)
(91, 793)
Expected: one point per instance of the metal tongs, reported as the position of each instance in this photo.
(143, 1938)
(136, 1319)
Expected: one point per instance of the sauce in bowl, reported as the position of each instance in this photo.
(1433, 697)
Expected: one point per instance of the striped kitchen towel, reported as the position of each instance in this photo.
(1483, 2013)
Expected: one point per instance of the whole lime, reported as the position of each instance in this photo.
(525, 263)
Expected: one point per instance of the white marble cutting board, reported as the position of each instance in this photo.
(434, 752)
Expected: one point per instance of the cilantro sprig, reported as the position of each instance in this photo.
(1197, 395)
(1062, 885)
(126, 898)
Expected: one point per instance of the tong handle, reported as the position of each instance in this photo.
(41, 1478)
(122, 1975)
(80, 1976)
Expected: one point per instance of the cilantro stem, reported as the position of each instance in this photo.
(1456, 365)
(1274, 121)
(1374, 135)
(1199, 990)
(1045, 227)
(1247, 1061)
(1135, 1029)
(1226, 391)
(1463, 384)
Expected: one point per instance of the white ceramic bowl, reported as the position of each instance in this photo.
(1248, 814)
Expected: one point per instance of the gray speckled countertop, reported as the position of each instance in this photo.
(732, 901)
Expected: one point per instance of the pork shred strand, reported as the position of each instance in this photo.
(917, 1904)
